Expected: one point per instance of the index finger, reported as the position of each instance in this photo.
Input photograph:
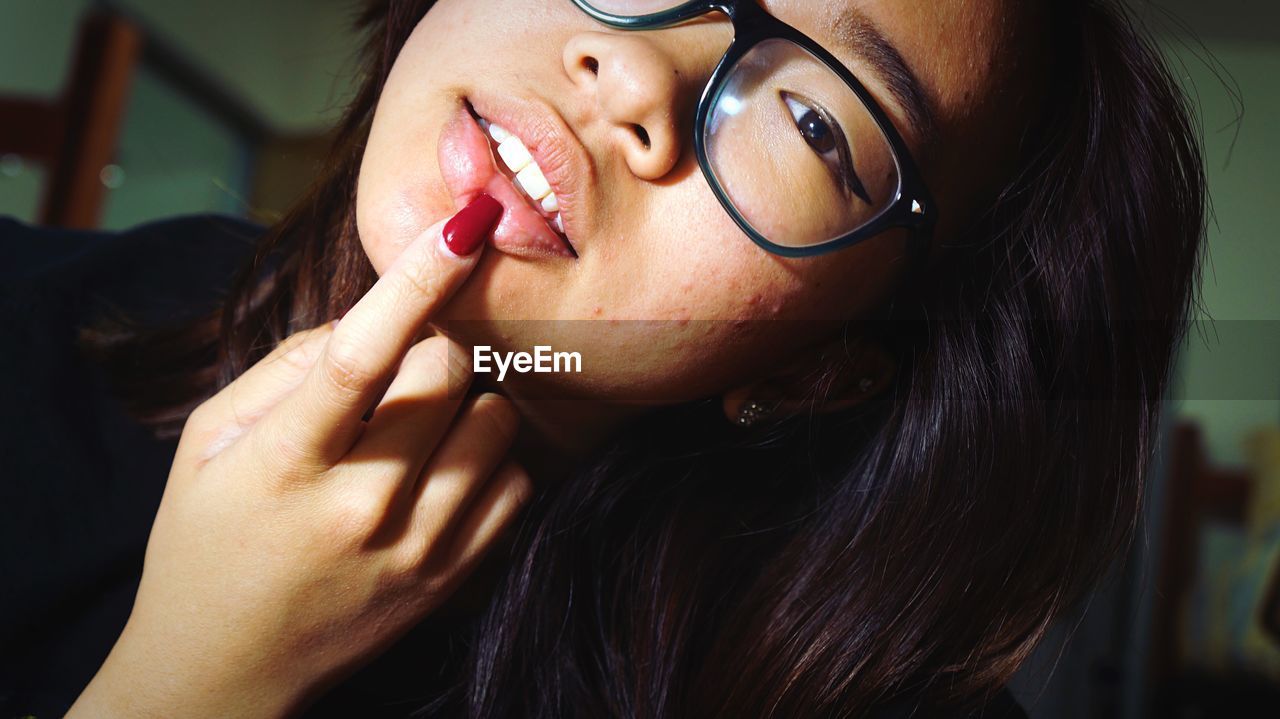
(323, 416)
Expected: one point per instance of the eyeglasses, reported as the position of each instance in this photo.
(791, 142)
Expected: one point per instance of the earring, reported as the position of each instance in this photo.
(865, 384)
(752, 412)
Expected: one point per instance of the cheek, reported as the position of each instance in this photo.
(704, 320)
(725, 291)
(736, 280)
(722, 278)
(726, 311)
(400, 192)
(640, 360)
(685, 259)
(388, 221)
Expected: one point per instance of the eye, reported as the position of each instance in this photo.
(813, 127)
(824, 135)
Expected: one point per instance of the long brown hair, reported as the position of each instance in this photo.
(823, 566)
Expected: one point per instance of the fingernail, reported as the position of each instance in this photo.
(467, 230)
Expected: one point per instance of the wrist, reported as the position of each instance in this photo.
(140, 683)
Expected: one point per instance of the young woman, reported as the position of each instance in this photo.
(875, 304)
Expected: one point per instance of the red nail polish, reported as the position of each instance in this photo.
(466, 231)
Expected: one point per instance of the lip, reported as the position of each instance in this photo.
(468, 168)
(561, 157)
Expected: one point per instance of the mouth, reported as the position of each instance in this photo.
(514, 160)
(470, 165)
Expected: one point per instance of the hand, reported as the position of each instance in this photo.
(295, 542)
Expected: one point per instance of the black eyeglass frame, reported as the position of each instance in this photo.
(912, 208)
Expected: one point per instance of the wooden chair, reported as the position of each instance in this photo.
(74, 137)
(1197, 491)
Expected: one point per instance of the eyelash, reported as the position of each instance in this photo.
(845, 173)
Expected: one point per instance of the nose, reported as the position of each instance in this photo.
(639, 91)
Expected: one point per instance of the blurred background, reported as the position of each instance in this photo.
(173, 107)
(116, 113)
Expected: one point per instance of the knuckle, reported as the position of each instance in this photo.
(355, 517)
(432, 354)
(344, 367)
(441, 356)
(199, 419)
(452, 492)
(203, 425)
(420, 282)
(517, 485)
(298, 356)
(408, 557)
(294, 342)
(195, 436)
(459, 365)
(283, 456)
(498, 417)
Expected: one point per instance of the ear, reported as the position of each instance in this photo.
(835, 376)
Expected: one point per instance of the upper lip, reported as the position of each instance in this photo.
(559, 154)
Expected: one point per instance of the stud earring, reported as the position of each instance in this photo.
(752, 412)
(865, 384)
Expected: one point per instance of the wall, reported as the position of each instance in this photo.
(288, 57)
(1228, 376)
(1230, 369)
(288, 61)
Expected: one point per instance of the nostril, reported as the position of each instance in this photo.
(591, 64)
(643, 134)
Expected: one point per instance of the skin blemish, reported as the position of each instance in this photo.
(681, 316)
(668, 231)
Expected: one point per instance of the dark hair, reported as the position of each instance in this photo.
(827, 564)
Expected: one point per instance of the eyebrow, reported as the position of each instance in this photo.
(855, 32)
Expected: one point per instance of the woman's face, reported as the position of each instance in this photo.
(679, 302)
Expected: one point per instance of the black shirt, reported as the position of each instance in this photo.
(80, 481)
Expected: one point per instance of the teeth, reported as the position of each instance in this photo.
(514, 154)
(499, 133)
(532, 182)
(528, 176)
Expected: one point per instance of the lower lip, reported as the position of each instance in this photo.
(467, 166)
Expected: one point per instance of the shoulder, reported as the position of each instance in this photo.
(29, 251)
(164, 265)
(87, 477)
(26, 247)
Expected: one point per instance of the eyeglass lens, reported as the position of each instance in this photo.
(791, 145)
